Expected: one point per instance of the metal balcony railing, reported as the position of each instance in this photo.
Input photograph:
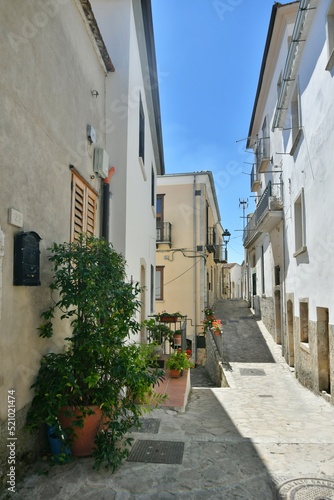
(254, 179)
(211, 239)
(262, 154)
(164, 233)
(266, 216)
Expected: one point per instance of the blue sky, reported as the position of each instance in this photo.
(209, 54)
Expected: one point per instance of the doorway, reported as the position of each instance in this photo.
(323, 350)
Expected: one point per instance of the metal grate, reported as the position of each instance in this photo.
(252, 372)
(157, 452)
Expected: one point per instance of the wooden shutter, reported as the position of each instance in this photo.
(84, 201)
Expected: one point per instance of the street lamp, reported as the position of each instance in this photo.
(226, 239)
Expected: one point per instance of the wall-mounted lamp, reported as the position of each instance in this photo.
(226, 239)
(94, 93)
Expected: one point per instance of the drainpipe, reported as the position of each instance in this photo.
(195, 267)
(106, 204)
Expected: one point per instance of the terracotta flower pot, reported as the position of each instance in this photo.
(177, 339)
(175, 373)
(168, 319)
(82, 444)
(217, 332)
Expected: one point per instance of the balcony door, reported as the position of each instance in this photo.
(160, 216)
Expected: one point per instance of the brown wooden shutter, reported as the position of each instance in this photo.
(84, 201)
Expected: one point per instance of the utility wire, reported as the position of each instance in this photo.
(179, 276)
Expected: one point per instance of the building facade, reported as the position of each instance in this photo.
(289, 237)
(189, 247)
(68, 116)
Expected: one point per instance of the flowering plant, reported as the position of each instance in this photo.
(178, 361)
(189, 353)
(208, 311)
(217, 324)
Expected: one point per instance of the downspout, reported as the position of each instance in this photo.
(195, 267)
(106, 204)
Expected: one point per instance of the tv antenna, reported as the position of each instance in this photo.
(244, 204)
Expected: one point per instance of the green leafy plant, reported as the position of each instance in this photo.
(98, 366)
(158, 333)
(178, 360)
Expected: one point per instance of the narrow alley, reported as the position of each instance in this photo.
(264, 437)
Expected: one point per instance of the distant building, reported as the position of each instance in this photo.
(232, 281)
(189, 247)
(289, 237)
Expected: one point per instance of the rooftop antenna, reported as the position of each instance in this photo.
(244, 203)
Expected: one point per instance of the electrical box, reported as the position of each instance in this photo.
(101, 162)
(26, 259)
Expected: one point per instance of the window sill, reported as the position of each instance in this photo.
(142, 167)
(305, 346)
(300, 251)
(330, 63)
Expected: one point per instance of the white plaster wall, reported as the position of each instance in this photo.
(45, 107)
(132, 228)
(312, 273)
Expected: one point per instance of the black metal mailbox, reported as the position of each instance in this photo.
(26, 259)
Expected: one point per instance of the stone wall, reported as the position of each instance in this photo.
(214, 363)
(268, 314)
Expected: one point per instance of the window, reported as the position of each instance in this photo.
(265, 139)
(141, 131)
(160, 215)
(263, 283)
(296, 119)
(330, 36)
(159, 283)
(299, 214)
(152, 188)
(84, 201)
(152, 294)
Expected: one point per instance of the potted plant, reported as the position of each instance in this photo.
(217, 326)
(209, 313)
(166, 317)
(98, 374)
(177, 337)
(177, 362)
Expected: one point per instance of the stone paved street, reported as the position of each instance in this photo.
(241, 442)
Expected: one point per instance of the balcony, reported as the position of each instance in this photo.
(211, 239)
(218, 254)
(267, 215)
(262, 154)
(164, 233)
(255, 179)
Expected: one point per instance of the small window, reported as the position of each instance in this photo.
(141, 131)
(159, 283)
(330, 36)
(159, 212)
(299, 214)
(152, 188)
(84, 201)
(296, 119)
(303, 318)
